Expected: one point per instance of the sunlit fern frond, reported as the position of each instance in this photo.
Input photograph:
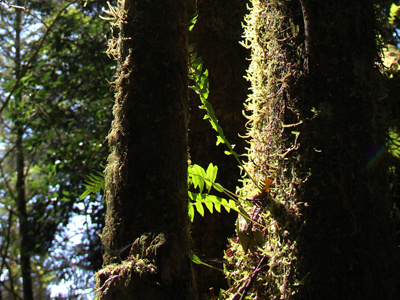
(95, 183)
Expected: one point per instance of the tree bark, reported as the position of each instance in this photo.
(146, 231)
(316, 129)
(349, 242)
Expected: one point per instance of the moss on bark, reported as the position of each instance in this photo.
(314, 123)
(146, 175)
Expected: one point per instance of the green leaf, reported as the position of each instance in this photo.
(232, 204)
(198, 175)
(209, 204)
(194, 88)
(216, 201)
(84, 194)
(191, 213)
(192, 22)
(225, 204)
(200, 208)
(220, 140)
(212, 172)
(394, 13)
(94, 184)
(211, 175)
(394, 142)
(194, 258)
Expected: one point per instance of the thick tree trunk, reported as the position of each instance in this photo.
(217, 34)
(349, 243)
(146, 232)
(317, 131)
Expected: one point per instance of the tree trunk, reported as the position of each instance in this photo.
(24, 231)
(349, 243)
(146, 231)
(217, 34)
(24, 236)
(317, 131)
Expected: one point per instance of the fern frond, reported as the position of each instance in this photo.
(95, 183)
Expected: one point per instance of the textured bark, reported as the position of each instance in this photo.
(348, 244)
(316, 129)
(146, 235)
(217, 34)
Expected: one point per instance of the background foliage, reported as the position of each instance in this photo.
(65, 112)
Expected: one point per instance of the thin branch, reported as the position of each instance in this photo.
(308, 34)
(7, 183)
(13, 6)
(36, 17)
(7, 153)
(6, 50)
(253, 278)
(25, 69)
(4, 255)
(12, 289)
(5, 124)
(3, 173)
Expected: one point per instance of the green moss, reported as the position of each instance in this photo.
(312, 115)
(276, 62)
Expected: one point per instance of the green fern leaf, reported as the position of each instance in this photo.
(94, 184)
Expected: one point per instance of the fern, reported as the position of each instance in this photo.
(95, 183)
(201, 87)
(200, 178)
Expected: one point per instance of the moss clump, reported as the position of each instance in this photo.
(121, 281)
(136, 271)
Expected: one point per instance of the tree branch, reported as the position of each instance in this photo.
(24, 70)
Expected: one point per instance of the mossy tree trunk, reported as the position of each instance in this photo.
(146, 231)
(217, 34)
(316, 129)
